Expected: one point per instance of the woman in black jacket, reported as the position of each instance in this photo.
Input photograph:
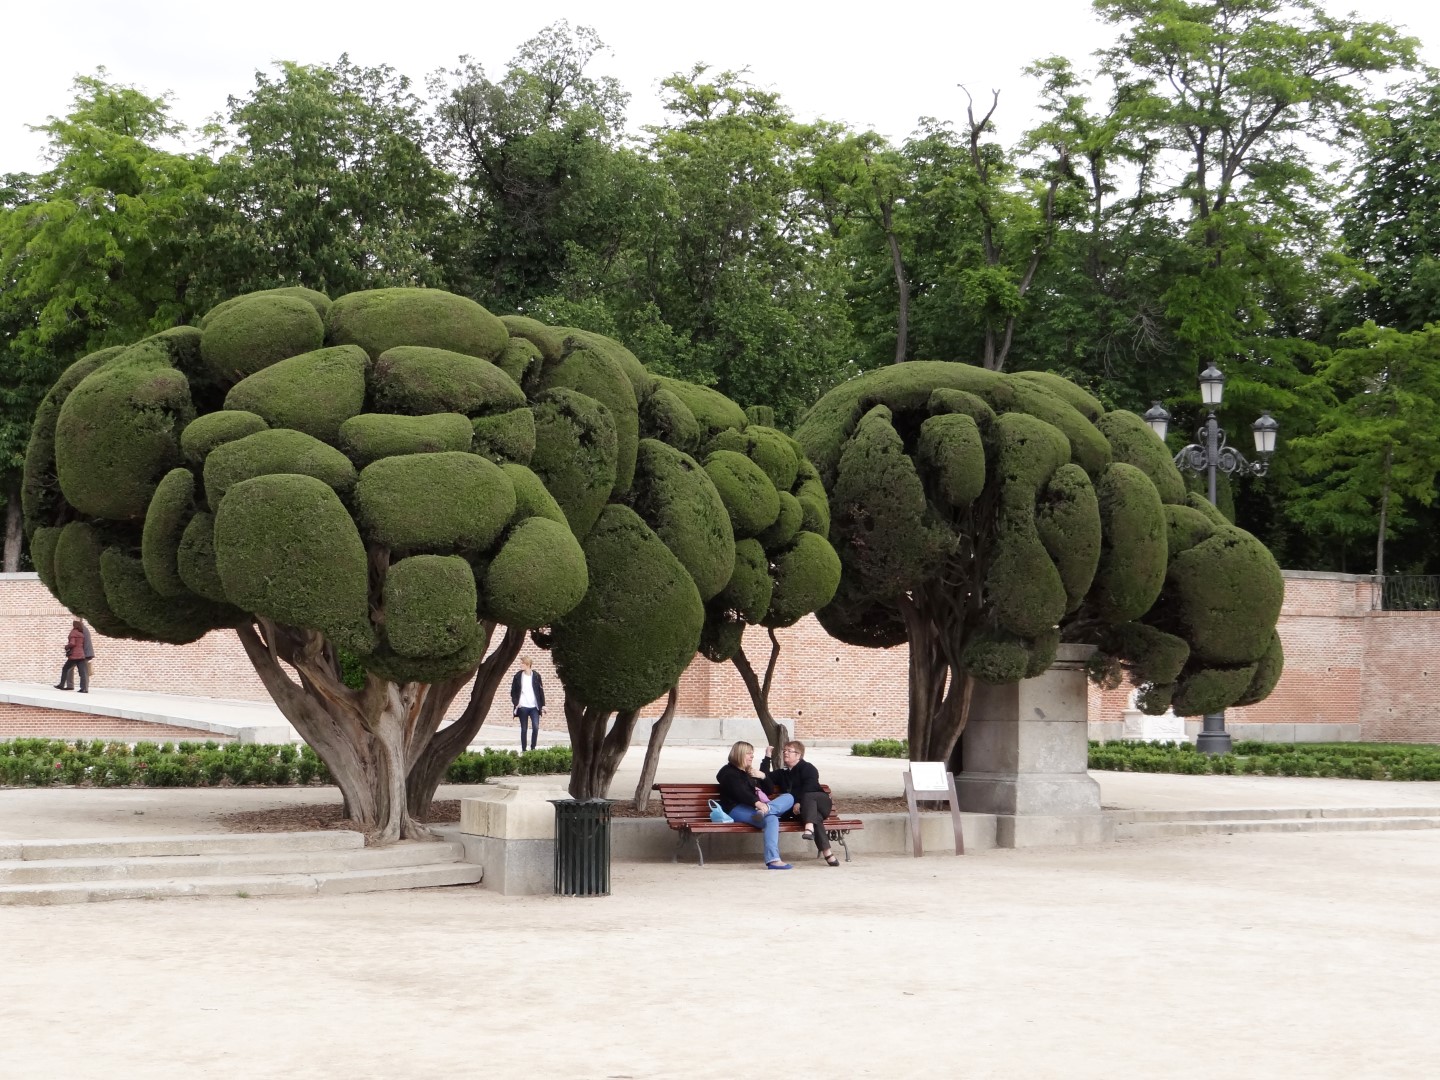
(743, 796)
(801, 781)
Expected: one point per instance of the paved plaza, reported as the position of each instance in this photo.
(1272, 955)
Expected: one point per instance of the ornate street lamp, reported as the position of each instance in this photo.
(1209, 454)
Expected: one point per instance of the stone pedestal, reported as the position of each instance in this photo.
(1166, 727)
(510, 830)
(1024, 753)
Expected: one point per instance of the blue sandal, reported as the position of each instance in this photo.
(778, 866)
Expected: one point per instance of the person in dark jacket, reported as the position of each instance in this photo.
(800, 780)
(75, 659)
(527, 694)
(744, 798)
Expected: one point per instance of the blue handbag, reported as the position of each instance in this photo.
(718, 815)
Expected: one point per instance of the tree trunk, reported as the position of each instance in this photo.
(595, 751)
(366, 738)
(446, 744)
(902, 281)
(652, 750)
(776, 733)
(1384, 515)
(14, 528)
(940, 690)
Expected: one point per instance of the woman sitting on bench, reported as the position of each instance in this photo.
(800, 780)
(744, 798)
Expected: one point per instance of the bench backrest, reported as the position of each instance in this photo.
(690, 802)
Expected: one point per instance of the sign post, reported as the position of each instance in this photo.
(928, 780)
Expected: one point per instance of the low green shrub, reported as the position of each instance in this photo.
(42, 762)
(896, 748)
(1349, 761)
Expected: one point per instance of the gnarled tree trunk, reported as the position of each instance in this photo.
(597, 746)
(14, 527)
(447, 743)
(940, 689)
(380, 742)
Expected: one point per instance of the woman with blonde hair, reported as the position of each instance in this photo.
(744, 798)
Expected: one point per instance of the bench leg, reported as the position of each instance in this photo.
(840, 838)
(698, 849)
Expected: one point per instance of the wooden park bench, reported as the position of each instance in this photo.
(687, 811)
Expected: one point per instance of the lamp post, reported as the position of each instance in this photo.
(1209, 454)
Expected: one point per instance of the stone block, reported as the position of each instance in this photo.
(249, 736)
(1049, 830)
(510, 811)
(515, 867)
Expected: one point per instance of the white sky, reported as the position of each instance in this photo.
(871, 65)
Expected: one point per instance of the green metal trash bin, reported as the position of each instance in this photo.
(582, 847)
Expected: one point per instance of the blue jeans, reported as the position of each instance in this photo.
(534, 715)
(770, 823)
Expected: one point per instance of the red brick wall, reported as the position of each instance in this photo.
(1345, 663)
(26, 722)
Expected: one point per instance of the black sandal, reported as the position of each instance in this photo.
(831, 859)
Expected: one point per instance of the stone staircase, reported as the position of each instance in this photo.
(233, 864)
(1157, 824)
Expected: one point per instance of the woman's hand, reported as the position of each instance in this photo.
(762, 809)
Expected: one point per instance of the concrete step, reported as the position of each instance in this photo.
(344, 881)
(1271, 813)
(123, 847)
(1152, 830)
(239, 864)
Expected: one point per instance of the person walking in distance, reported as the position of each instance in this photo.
(75, 659)
(527, 694)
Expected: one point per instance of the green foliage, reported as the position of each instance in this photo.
(272, 452)
(159, 618)
(600, 377)
(891, 748)
(45, 762)
(205, 433)
(314, 392)
(286, 548)
(538, 575)
(368, 437)
(638, 627)
(806, 575)
(417, 381)
(118, 433)
(165, 520)
(1133, 557)
(1230, 591)
(677, 499)
(508, 438)
(575, 454)
(78, 582)
(1133, 443)
(747, 493)
(430, 603)
(379, 320)
(749, 589)
(322, 179)
(1350, 761)
(433, 502)
(1067, 521)
(260, 330)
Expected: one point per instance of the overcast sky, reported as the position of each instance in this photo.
(876, 65)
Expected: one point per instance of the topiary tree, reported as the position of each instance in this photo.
(983, 518)
(382, 485)
(675, 495)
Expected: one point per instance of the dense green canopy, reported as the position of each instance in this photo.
(986, 517)
(387, 470)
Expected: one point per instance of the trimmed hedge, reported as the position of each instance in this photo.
(415, 381)
(434, 502)
(314, 392)
(367, 438)
(277, 451)
(1350, 761)
(256, 331)
(47, 762)
(380, 319)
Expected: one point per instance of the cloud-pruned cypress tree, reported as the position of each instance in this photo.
(381, 485)
(984, 518)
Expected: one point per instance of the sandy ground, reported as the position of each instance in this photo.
(1293, 955)
(27, 813)
(1248, 956)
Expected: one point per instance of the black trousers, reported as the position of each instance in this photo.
(67, 674)
(814, 807)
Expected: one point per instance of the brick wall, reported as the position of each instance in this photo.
(26, 722)
(1345, 663)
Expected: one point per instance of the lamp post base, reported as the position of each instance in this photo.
(1213, 738)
